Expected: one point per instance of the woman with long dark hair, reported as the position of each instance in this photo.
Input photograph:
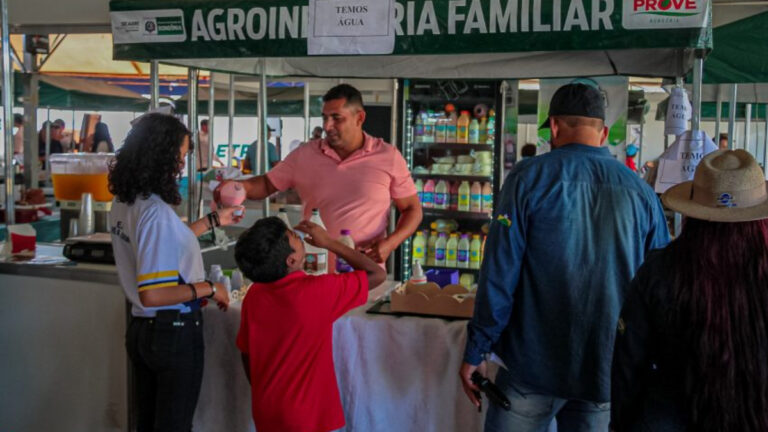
(691, 349)
(160, 267)
(102, 141)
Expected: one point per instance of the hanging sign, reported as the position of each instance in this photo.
(679, 161)
(678, 112)
(338, 27)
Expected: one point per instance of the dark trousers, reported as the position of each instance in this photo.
(166, 353)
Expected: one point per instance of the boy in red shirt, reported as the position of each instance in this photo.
(286, 328)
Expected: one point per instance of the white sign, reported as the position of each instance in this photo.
(679, 161)
(351, 27)
(166, 25)
(664, 14)
(678, 112)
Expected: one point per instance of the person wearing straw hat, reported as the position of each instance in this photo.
(691, 351)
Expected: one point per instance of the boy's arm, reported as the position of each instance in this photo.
(246, 367)
(318, 237)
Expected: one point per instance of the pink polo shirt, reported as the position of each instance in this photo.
(353, 194)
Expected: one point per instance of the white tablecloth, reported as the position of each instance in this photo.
(394, 374)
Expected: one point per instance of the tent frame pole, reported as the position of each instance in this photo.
(231, 121)
(748, 127)
(307, 130)
(10, 212)
(718, 113)
(192, 207)
(154, 84)
(765, 139)
(264, 127)
(698, 68)
(211, 118)
(732, 116)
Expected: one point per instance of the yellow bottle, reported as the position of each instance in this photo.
(462, 128)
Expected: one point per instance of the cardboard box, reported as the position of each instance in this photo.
(453, 301)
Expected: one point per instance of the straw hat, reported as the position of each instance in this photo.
(728, 186)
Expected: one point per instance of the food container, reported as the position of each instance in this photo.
(74, 174)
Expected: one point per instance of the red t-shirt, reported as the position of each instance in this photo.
(286, 330)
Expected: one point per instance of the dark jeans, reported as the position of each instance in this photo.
(166, 353)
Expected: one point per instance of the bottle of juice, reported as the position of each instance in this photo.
(441, 195)
(474, 251)
(454, 204)
(429, 127)
(441, 128)
(464, 192)
(316, 261)
(462, 128)
(418, 128)
(475, 198)
(420, 190)
(462, 256)
(440, 246)
(451, 250)
(474, 131)
(444, 225)
(483, 131)
(487, 198)
(491, 128)
(453, 121)
(283, 215)
(346, 239)
(428, 194)
(419, 249)
(431, 248)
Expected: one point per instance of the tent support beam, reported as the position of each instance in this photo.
(765, 139)
(264, 128)
(732, 116)
(231, 121)
(56, 44)
(10, 212)
(748, 127)
(211, 117)
(154, 84)
(718, 113)
(192, 207)
(306, 111)
(698, 69)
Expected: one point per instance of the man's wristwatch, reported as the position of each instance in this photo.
(213, 289)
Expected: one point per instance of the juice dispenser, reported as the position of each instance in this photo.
(74, 174)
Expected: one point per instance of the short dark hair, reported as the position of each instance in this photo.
(149, 161)
(723, 136)
(345, 91)
(18, 119)
(61, 123)
(262, 250)
(203, 122)
(528, 150)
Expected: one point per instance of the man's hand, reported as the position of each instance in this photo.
(221, 297)
(230, 215)
(217, 191)
(379, 250)
(316, 235)
(470, 389)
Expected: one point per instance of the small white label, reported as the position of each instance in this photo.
(165, 25)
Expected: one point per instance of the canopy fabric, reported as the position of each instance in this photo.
(541, 44)
(83, 94)
(740, 53)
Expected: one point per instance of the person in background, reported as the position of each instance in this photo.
(691, 351)
(55, 143)
(723, 141)
(350, 176)
(317, 133)
(528, 151)
(65, 136)
(250, 155)
(286, 325)
(204, 146)
(571, 228)
(102, 142)
(18, 134)
(160, 268)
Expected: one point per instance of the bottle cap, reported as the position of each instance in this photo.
(418, 277)
(346, 232)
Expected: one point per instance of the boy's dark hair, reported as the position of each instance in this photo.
(262, 249)
(18, 119)
(345, 91)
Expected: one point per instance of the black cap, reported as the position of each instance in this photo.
(576, 100)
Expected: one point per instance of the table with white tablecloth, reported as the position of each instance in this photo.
(394, 373)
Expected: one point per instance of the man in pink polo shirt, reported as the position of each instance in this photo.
(350, 176)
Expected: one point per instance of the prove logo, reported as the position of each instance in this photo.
(664, 14)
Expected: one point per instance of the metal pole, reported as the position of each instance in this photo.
(10, 212)
(48, 141)
(31, 140)
(307, 130)
(263, 127)
(211, 117)
(765, 139)
(640, 143)
(231, 117)
(718, 114)
(747, 127)
(698, 68)
(732, 116)
(192, 210)
(393, 141)
(154, 84)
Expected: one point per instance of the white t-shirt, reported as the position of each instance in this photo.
(153, 249)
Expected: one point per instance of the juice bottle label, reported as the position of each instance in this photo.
(428, 198)
(418, 252)
(451, 131)
(487, 202)
(439, 254)
(451, 255)
(316, 262)
(463, 199)
(474, 256)
(421, 196)
(440, 199)
(462, 132)
(463, 255)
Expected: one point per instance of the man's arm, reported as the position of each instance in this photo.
(256, 188)
(407, 223)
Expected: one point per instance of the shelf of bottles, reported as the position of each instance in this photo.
(449, 142)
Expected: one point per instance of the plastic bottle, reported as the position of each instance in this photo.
(462, 256)
(418, 277)
(454, 204)
(428, 197)
(483, 131)
(476, 198)
(431, 248)
(462, 128)
(487, 198)
(441, 195)
(420, 190)
(341, 264)
(474, 251)
(444, 225)
(440, 246)
(474, 131)
(464, 191)
(418, 128)
(316, 261)
(441, 128)
(453, 121)
(491, 128)
(283, 215)
(429, 127)
(451, 250)
(419, 249)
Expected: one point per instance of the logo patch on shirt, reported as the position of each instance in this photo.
(117, 230)
(504, 220)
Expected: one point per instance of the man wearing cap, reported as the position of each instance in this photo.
(350, 176)
(571, 229)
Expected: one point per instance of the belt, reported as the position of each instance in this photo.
(172, 315)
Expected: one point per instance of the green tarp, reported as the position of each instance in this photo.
(740, 53)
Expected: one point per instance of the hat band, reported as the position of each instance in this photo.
(725, 199)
